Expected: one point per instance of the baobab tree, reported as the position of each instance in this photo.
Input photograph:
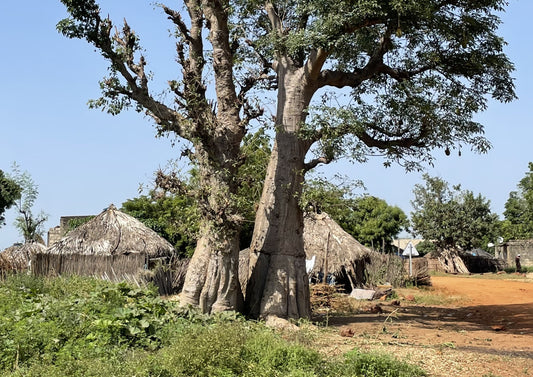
(355, 78)
(213, 121)
(411, 74)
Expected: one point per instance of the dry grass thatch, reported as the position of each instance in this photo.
(18, 257)
(113, 233)
(334, 252)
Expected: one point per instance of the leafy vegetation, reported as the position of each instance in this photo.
(85, 327)
(174, 214)
(9, 192)
(29, 224)
(452, 217)
(518, 223)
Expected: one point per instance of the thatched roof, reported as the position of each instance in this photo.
(112, 232)
(18, 256)
(333, 248)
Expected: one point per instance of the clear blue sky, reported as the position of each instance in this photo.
(83, 160)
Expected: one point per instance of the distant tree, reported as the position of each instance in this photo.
(518, 222)
(9, 192)
(451, 217)
(368, 219)
(376, 223)
(29, 225)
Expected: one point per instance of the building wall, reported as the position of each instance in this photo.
(58, 232)
(510, 249)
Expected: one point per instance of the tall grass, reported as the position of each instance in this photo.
(86, 327)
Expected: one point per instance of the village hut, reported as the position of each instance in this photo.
(340, 258)
(112, 245)
(334, 256)
(479, 261)
(18, 257)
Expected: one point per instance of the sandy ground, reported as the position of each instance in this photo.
(487, 332)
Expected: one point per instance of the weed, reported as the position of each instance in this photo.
(86, 327)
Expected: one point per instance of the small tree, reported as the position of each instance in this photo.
(451, 217)
(28, 224)
(376, 223)
(9, 192)
(518, 223)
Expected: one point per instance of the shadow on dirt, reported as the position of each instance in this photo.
(512, 319)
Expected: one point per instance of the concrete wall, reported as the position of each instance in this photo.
(510, 249)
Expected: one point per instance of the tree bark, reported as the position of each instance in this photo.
(278, 284)
(211, 282)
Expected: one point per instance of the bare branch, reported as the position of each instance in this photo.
(313, 163)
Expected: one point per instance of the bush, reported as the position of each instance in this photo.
(85, 327)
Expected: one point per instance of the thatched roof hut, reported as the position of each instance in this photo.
(336, 252)
(112, 243)
(18, 257)
(333, 251)
(113, 232)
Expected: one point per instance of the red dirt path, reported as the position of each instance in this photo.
(487, 332)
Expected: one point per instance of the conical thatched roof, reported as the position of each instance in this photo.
(18, 257)
(112, 232)
(333, 248)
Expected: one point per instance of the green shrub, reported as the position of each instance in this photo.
(379, 365)
(86, 327)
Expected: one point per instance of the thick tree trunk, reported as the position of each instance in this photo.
(211, 282)
(278, 284)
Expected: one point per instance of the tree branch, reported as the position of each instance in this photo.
(314, 163)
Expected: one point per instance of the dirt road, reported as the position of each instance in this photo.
(487, 332)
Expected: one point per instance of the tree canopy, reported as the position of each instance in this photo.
(9, 192)
(452, 217)
(413, 74)
(518, 223)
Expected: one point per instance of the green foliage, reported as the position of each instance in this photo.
(417, 71)
(255, 152)
(29, 225)
(10, 191)
(518, 223)
(379, 365)
(85, 327)
(452, 217)
(425, 247)
(78, 221)
(370, 220)
(173, 216)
